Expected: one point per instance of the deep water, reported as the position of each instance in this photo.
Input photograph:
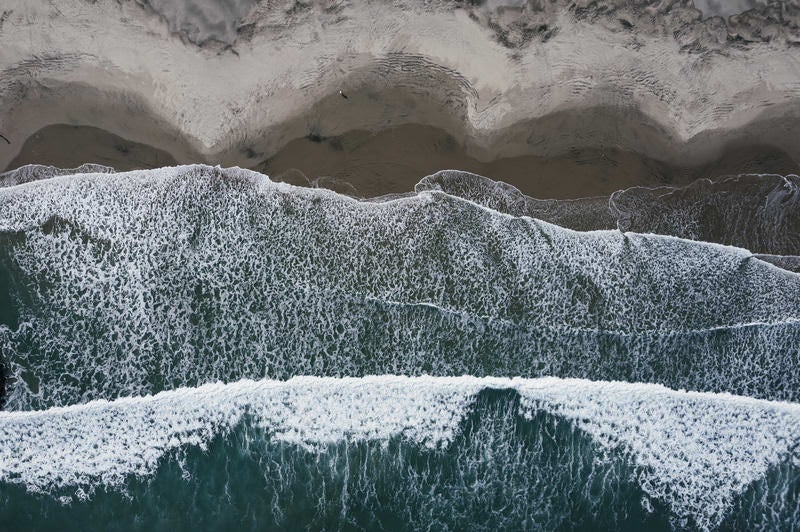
(501, 471)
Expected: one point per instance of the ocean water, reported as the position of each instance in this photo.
(201, 347)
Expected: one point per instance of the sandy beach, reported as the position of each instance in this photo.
(559, 102)
(399, 265)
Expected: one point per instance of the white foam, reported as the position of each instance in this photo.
(696, 451)
(693, 451)
(138, 212)
(757, 212)
(107, 441)
(582, 214)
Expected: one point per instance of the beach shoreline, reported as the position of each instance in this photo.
(585, 85)
(368, 164)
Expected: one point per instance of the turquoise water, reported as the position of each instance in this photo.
(114, 286)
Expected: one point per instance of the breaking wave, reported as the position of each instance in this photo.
(533, 453)
(37, 172)
(126, 300)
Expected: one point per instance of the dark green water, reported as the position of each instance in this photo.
(500, 472)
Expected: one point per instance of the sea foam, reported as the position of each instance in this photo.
(36, 172)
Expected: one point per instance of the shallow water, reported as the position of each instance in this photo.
(501, 471)
(140, 282)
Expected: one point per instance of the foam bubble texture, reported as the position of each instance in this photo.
(143, 281)
(499, 472)
(704, 444)
(695, 452)
(584, 214)
(107, 441)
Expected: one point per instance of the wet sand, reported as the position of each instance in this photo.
(392, 161)
(66, 146)
(368, 164)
